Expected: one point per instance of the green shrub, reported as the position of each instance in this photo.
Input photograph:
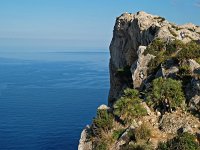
(129, 106)
(103, 122)
(190, 50)
(173, 47)
(184, 141)
(142, 133)
(155, 47)
(144, 146)
(101, 145)
(118, 133)
(131, 93)
(163, 51)
(184, 70)
(166, 88)
(175, 27)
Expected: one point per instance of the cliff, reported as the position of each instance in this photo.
(132, 31)
(154, 96)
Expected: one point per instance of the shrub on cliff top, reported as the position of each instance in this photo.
(103, 122)
(129, 106)
(166, 89)
(184, 141)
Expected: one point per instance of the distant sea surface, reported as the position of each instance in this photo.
(46, 99)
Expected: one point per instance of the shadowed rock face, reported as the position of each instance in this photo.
(132, 31)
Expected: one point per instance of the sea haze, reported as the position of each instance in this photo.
(46, 99)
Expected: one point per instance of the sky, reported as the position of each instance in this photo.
(77, 25)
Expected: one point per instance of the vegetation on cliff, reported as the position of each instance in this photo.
(183, 141)
(166, 89)
(129, 107)
(162, 112)
(111, 125)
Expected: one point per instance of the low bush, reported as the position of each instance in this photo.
(102, 123)
(172, 32)
(118, 133)
(129, 107)
(166, 89)
(162, 52)
(142, 133)
(161, 19)
(101, 145)
(144, 146)
(184, 141)
(190, 50)
(131, 93)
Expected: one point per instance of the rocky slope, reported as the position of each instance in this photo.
(144, 48)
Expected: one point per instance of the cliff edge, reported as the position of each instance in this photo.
(154, 98)
(132, 31)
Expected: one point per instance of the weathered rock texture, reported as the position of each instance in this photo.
(128, 68)
(84, 143)
(132, 31)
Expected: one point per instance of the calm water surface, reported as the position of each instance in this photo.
(47, 98)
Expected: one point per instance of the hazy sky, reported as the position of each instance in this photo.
(83, 25)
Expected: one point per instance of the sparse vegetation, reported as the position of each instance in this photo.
(192, 30)
(117, 133)
(161, 19)
(184, 141)
(123, 71)
(163, 51)
(102, 123)
(162, 94)
(134, 146)
(101, 145)
(142, 133)
(155, 47)
(190, 50)
(125, 75)
(184, 71)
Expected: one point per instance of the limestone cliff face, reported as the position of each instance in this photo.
(128, 68)
(130, 32)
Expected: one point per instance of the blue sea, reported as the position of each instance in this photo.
(46, 99)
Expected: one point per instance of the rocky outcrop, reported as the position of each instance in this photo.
(140, 67)
(179, 121)
(129, 66)
(132, 31)
(84, 143)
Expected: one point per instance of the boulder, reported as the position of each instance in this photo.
(84, 143)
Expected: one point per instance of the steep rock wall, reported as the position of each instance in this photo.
(132, 31)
